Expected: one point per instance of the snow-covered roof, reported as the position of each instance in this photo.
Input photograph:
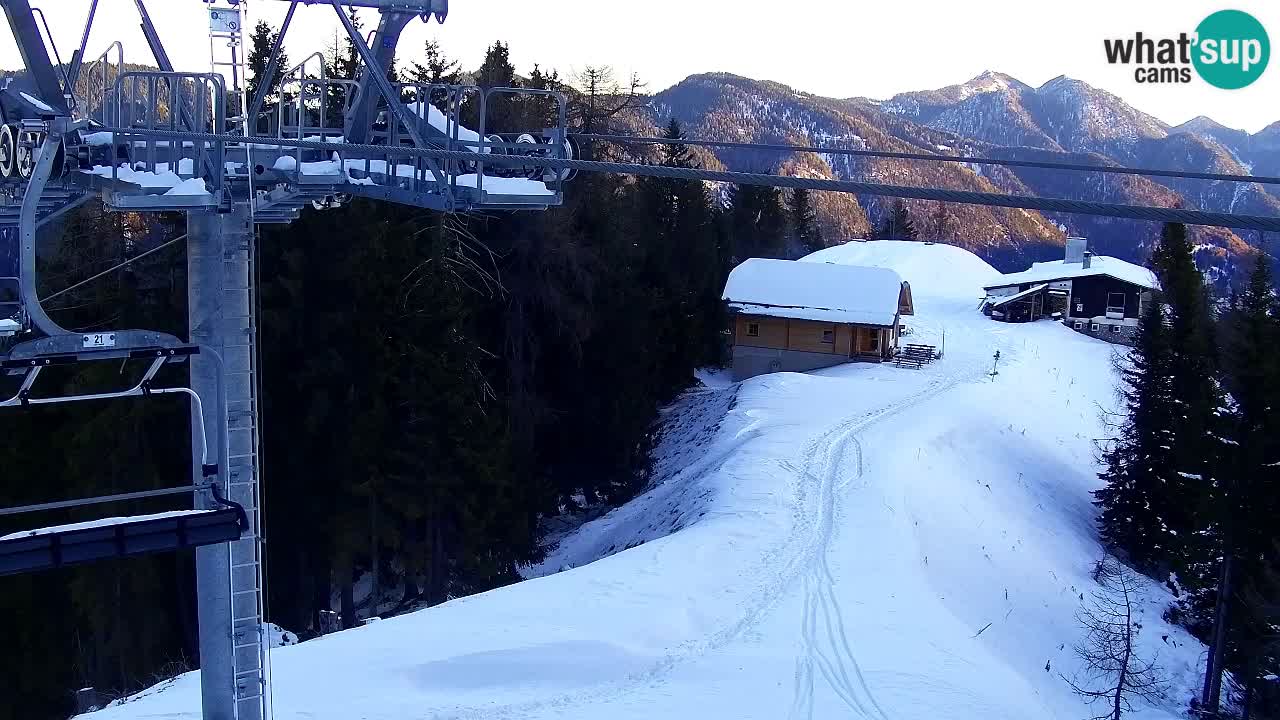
(105, 522)
(825, 292)
(1019, 296)
(1062, 270)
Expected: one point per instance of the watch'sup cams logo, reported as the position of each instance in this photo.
(1229, 50)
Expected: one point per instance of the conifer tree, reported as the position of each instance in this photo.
(1138, 460)
(1251, 491)
(804, 223)
(940, 223)
(262, 40)
(1163, 469)
(1199, 425)
(436, 68)
(680, 252)
(1255, 382)
(502, 109)
(757, 222)
(897, 225)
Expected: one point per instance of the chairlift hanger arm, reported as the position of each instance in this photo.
(27, 237)
(382, 52)
(396, 108)
(35, 56)
(77, 58)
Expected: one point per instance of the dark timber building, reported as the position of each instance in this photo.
(1095, 295)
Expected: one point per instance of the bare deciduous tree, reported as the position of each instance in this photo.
(1114, 671)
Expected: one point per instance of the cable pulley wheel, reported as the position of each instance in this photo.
(25, 156)
(8, 151)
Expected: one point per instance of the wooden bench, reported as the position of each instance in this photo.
(915, 356)
(928, 352)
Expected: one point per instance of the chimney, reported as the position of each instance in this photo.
(1087, 260)
(1075, 250)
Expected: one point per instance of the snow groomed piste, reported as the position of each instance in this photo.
(859, 542)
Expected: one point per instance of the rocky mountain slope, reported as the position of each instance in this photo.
(993, 115)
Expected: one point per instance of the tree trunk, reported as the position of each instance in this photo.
(436, 586)
(1213, 671)
(321, 588)
(1250, 685)
(375, 561)
(347, 592)
(1123, 678)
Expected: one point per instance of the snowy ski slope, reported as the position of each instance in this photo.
(865, 541)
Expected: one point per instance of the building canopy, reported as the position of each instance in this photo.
(1042, 272)
(824, 292)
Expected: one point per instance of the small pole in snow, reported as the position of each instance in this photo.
(995, 364)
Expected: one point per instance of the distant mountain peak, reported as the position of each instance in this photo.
(1064, 84)
(992, 81)
(1204, 124)
(989, 81)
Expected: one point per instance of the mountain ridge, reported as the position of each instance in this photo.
(993, 114)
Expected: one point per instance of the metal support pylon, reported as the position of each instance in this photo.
(233, 648)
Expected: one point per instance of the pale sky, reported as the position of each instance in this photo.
(839, 48)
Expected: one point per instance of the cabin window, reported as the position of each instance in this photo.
(1093, 327)
(1115, 302)
(1079, 326)
(829, 337)
(753, 329)
(1115, 329)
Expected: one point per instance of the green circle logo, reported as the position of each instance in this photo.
(1232, 49)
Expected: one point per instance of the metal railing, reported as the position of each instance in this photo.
(308, 102)
(176, 102)
(442, 115)
(99, 83)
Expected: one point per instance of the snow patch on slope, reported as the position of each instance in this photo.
(678, 494)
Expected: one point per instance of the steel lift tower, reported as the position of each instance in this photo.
(171, 140)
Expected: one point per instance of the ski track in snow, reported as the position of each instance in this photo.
(837, 662)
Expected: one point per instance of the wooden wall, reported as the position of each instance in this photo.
(802, 335)
(773, 332)
(806, 335)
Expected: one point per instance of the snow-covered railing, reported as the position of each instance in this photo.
(173, 101)
(437, 116)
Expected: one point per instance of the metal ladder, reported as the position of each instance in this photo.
(227, 54)
(251, 641)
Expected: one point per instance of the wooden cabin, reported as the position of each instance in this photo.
(795, 316)
(1095, 295)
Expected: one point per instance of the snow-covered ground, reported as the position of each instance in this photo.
(863, 541)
